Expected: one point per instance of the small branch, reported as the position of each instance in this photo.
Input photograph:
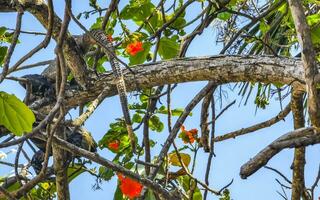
(255, 127)
(253, 22)
(315, 183)
(278, 172)
(28, 32)
(211, 154)
(223, 110)
(296, 138)
(176, 128)
(109, 164)
(6, 193)
(14, 41)
(145, 163)
(190, 175)
(40, 46)
(204, 140)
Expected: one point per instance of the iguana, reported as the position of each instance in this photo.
(109, 50)
(41, 87)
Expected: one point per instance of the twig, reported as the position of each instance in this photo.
(177, 126)
(6, 193)
(14, 42)
(211, 154)
(145, 163)
(279, 173)
(224, 110)
(255, 127)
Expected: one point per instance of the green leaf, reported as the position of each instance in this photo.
(2, 30)
(93, 4)
(178, 23)
(15, 115)
(168, 48)
(3, 53)
(155, 124)
(315, 35)
(226, 195)
(186, 182)
(74, 171)
(224, 16)
(118, 194)
(106, 173)
(97, 24)
(150, 195)
(175, 112)
(264, 27)
(313, 19)
(137, 10)
(136, 118)
(141, 56)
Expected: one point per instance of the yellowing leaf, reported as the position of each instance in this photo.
(15, 115)
(174, 160)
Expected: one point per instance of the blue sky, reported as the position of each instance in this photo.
(231, 154)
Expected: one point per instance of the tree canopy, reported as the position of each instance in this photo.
(268, 51)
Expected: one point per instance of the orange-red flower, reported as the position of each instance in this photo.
(109, 38)
(129, 187)
(133, 48)
(188, 136)
(114, 145)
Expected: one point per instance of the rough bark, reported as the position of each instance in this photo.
(204, 139)
(220, 69)
(297, 138)
(308, 60)
(298, 184)
(60, 165)
(73, 55)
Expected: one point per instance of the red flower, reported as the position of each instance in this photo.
(134, 48)
(188, 136)
(109, 38)
(129, 187)
(114, 145)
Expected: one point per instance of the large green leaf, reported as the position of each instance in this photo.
(137, 10)
(168, 48)
(15, 115)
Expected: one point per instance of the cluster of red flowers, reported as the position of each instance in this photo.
(188, 136)
(129, 187)
(109, 38)
(114, 145)
(134, 48)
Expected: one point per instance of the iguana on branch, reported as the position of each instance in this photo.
(41, 87)
(118, 77)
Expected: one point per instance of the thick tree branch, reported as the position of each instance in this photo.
(308, 59)
(221, 69)
(297, 138)
(298, 184)
(115, 167)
